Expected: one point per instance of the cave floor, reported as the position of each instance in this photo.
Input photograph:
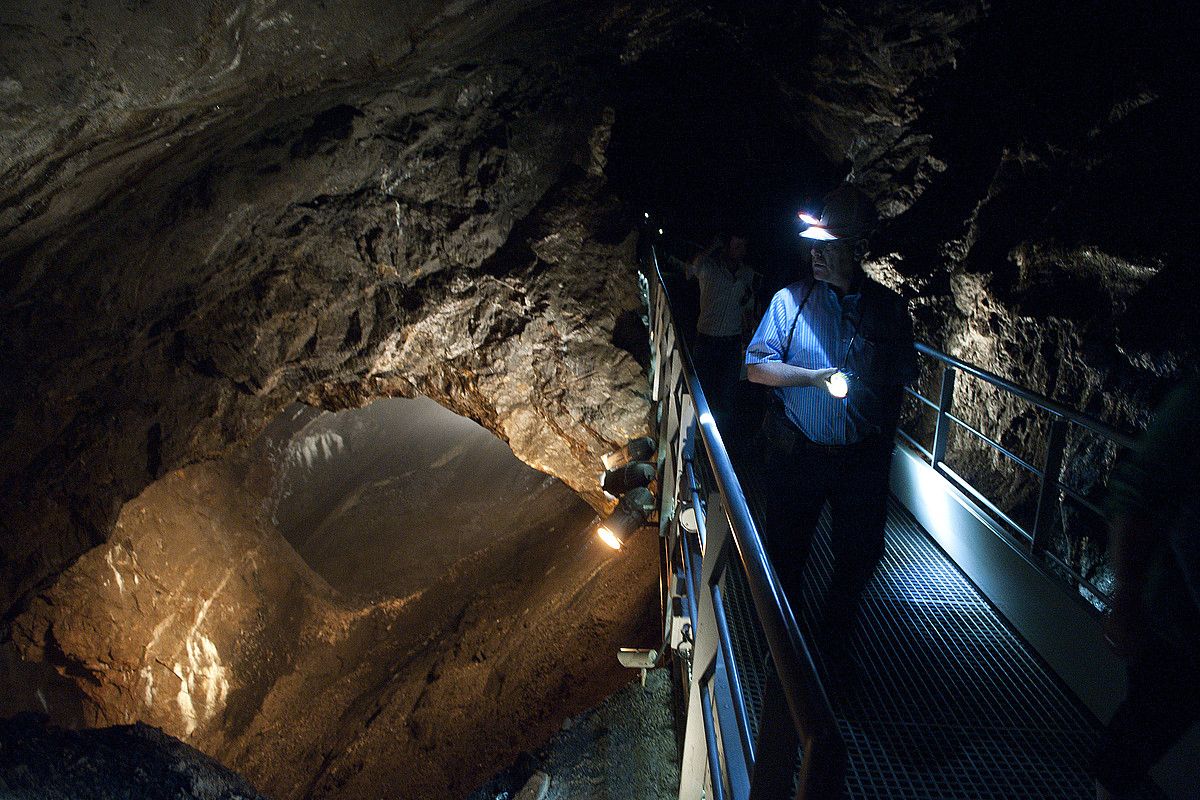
(623, 748)
(938, 696)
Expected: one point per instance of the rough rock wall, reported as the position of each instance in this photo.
(195, 236)
(298, 202)
(191, 245)
(199, 617)
(1030, 163)
(184, 619)
(133, 760)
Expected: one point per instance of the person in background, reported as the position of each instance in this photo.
(822, 441)
(726, 294)
(1154, 620)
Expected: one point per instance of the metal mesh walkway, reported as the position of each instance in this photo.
(948, 702)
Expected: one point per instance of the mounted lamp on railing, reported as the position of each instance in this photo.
(640, 449)
(619, 480)
(630, 514)
(628, 472)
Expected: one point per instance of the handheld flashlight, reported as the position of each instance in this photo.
(837, 384)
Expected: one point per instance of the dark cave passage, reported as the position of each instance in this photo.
(707, 139)
(385, 499)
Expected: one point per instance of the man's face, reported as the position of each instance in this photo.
(834, 262)
(737, 248)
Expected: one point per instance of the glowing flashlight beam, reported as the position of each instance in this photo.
(837, 384)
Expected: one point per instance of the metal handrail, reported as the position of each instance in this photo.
(1004, 451)
(807, 704)
(1049, 475)
(1040, 400)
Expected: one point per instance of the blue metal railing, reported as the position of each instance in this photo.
(766, 766)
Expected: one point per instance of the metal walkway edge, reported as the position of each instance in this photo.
(946, 696)
(948, 702)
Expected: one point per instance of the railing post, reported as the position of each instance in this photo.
(778, 745)
(1048, 495)
(942, 432)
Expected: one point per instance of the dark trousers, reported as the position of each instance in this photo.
(1162, 702)
(798, 480)
(718, 365)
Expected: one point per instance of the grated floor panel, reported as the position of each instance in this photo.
(948, 702)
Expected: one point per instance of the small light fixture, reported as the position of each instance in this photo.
(641, 449)
(818, 234)
(646, 214)
(688, 521)
(660, 231)
(619, 480)
(838, 384)
(630, 514)
(815, 229)
(638, 658)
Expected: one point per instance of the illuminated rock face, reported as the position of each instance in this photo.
(193, 582)
(191, 246)
(283, 240)
(243, 206)
(383, 601)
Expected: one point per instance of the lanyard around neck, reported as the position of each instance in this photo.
(792, 330)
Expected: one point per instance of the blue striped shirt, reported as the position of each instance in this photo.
(867, 334)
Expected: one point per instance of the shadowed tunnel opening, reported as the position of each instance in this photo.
(384, 500)
(707, 140)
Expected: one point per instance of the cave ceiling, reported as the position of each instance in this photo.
(210, 210)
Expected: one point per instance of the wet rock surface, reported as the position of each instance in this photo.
(402, 654)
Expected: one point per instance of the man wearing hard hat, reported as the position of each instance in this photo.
(837, 349)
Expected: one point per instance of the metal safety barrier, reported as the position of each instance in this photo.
(1052, 490)
(758, 721)
(713, 551)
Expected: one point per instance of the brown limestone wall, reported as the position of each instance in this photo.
(316, 234)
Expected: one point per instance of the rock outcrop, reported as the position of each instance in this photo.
(405, 657)
(211, 211)
(255, 239)
(39, 761)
